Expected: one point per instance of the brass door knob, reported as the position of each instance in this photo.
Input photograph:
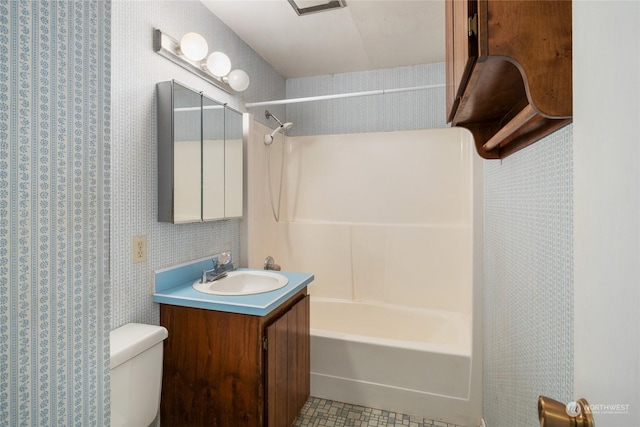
(556, 414)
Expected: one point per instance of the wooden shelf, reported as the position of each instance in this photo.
(509, 81)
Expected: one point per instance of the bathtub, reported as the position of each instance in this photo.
(394, 358)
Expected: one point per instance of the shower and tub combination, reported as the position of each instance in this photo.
(388, 223)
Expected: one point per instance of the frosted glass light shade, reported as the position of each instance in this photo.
(219, 64)
(194, 46)
(238, 80)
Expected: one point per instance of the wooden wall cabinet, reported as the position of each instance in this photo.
(228, 369)
(508, 70)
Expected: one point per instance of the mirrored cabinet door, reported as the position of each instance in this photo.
(199, 156)
(187, 155)
(213, 160)
(233, 163)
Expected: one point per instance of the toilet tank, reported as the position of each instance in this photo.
(136, 374)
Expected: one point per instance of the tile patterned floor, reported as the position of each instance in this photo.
(321, 412)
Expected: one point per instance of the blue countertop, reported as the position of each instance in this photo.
(173, 287)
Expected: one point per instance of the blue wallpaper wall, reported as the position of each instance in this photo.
(528, 283)
(54, 205)
(422, 109)
(136, 70)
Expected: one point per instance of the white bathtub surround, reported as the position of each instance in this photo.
(415, 361)
(375, 216)
(389, 220)
(391, 325)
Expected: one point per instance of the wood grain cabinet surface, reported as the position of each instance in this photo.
(508, 70)
(231, 370)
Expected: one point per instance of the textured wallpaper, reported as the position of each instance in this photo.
(136, 70)
(78, 180)
(54, 206)
(528, 286)
(421, 109)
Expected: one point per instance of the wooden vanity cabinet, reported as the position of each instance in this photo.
(508, 71)
(228, 369)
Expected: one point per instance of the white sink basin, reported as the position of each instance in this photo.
(243, 283)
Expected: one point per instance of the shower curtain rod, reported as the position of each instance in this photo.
(340, 95)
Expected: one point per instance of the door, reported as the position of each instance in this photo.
(461, 50)
(288, 365)
(607, 210)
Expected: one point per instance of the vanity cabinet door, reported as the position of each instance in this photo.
(211, 369)
(288, 365)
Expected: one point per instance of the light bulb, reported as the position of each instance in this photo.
(194, 46)
(238, 80)
(219, 64)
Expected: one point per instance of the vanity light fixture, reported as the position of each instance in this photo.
(193, 46)
(191, 54)
(219, 64)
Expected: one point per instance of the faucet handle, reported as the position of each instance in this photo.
(224, 257)
(270, 264)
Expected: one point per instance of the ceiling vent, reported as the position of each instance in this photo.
(305, 7)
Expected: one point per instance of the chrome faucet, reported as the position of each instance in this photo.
(221, 266)
(205, 273)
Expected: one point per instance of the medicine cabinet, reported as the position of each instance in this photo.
(199, 156)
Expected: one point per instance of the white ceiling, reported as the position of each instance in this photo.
(365, 35)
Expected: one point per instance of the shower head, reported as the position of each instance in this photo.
(268, 139)
(281, 128)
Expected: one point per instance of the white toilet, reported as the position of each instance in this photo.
(136, 374)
